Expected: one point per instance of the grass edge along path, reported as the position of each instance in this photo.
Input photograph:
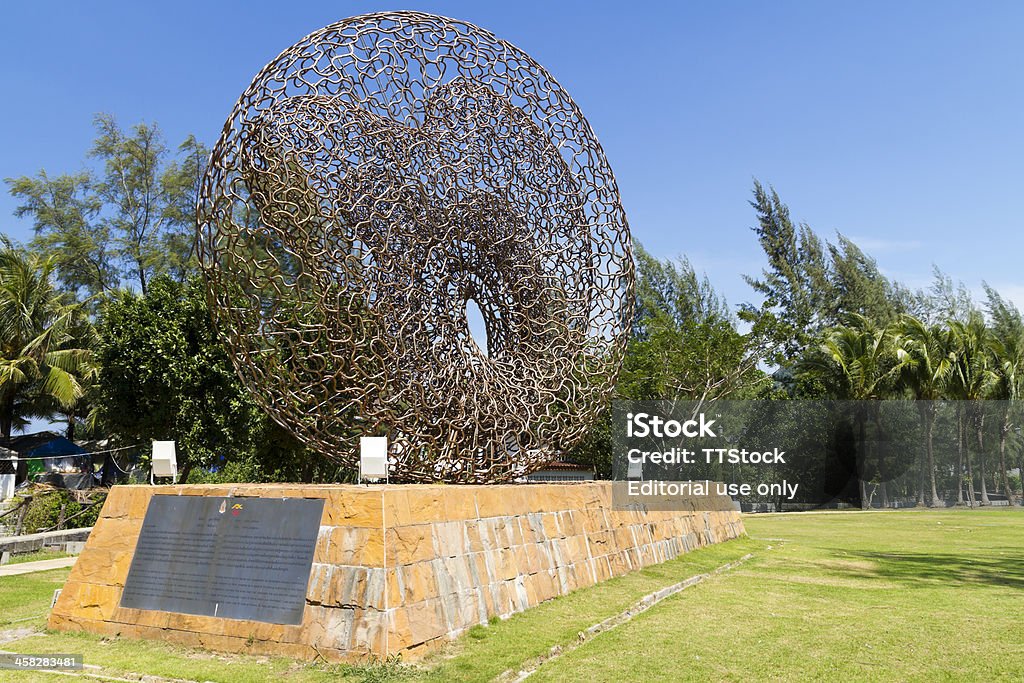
(639, 607)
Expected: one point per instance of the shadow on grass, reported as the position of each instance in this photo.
(943, 568)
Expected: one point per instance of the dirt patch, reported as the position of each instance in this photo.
(10, 635)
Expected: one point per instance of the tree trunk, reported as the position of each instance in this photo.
(922, 458)
(1007, 490)
(862, 461)
(6, 418)
(971, 500)
(1020, 469)
(69, 433)
(979, 421)
(929, 432)
(880, 450)
(21, 515)
(959, 455)
(1011, 496)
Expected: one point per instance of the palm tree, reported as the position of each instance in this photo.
(856, 361)
(925, 364)
(40, 361)
(1006, 344)
(973, 382)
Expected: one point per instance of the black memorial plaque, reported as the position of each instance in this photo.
(237, 558)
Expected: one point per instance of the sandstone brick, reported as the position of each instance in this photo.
(458, 569)
(450, 539)
(534, 562)
(423, 649)
(488, 594)
(504, 604)
(126, 502)
(95, 601)
(353, 507)
(521, 559)
(518, 501)
(253, 630)
(483, 571)
(463, 609)
(460, 505)
(408, 505)
(491, 502)
(321, 551)
(114, 534)
(330, 628)
(408, 544)
(551, 525)
(224, 643)
(153, 618)
(369, 632)
(318, 589)
(200, 624)
(577, 546)
(357, 587)
(541, 499)
(356, 546)
(426, 620)
(535, 522)
(183, 638)
(473, 536)
(311, 492)
(508, 568)
(400, 637)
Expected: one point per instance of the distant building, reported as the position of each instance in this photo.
(45, 453)
(561, 470)
(106, 459)
(8, 472)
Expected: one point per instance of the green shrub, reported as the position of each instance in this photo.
(44, 510)
(232, 473)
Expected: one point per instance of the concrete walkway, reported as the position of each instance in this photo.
(40, 566)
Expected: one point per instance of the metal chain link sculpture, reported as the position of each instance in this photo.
(375, 179)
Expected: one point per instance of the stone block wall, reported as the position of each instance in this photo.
(399, 569)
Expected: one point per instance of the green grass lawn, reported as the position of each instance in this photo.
(914, 595)
(893, 596)
(37, 555)
(25, 598)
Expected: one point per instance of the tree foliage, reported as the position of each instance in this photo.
(795, 287)
(64, 214)
(123, 223)
(685, 344)
(45, 357)
(166, 375)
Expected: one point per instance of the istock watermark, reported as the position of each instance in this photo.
(798, 455)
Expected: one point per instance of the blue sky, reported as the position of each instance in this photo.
(898, 124)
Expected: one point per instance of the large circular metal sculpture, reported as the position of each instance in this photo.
(377, 180)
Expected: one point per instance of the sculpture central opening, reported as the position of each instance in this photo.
(477, 327)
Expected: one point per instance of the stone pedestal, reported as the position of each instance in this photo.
(398, 569)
